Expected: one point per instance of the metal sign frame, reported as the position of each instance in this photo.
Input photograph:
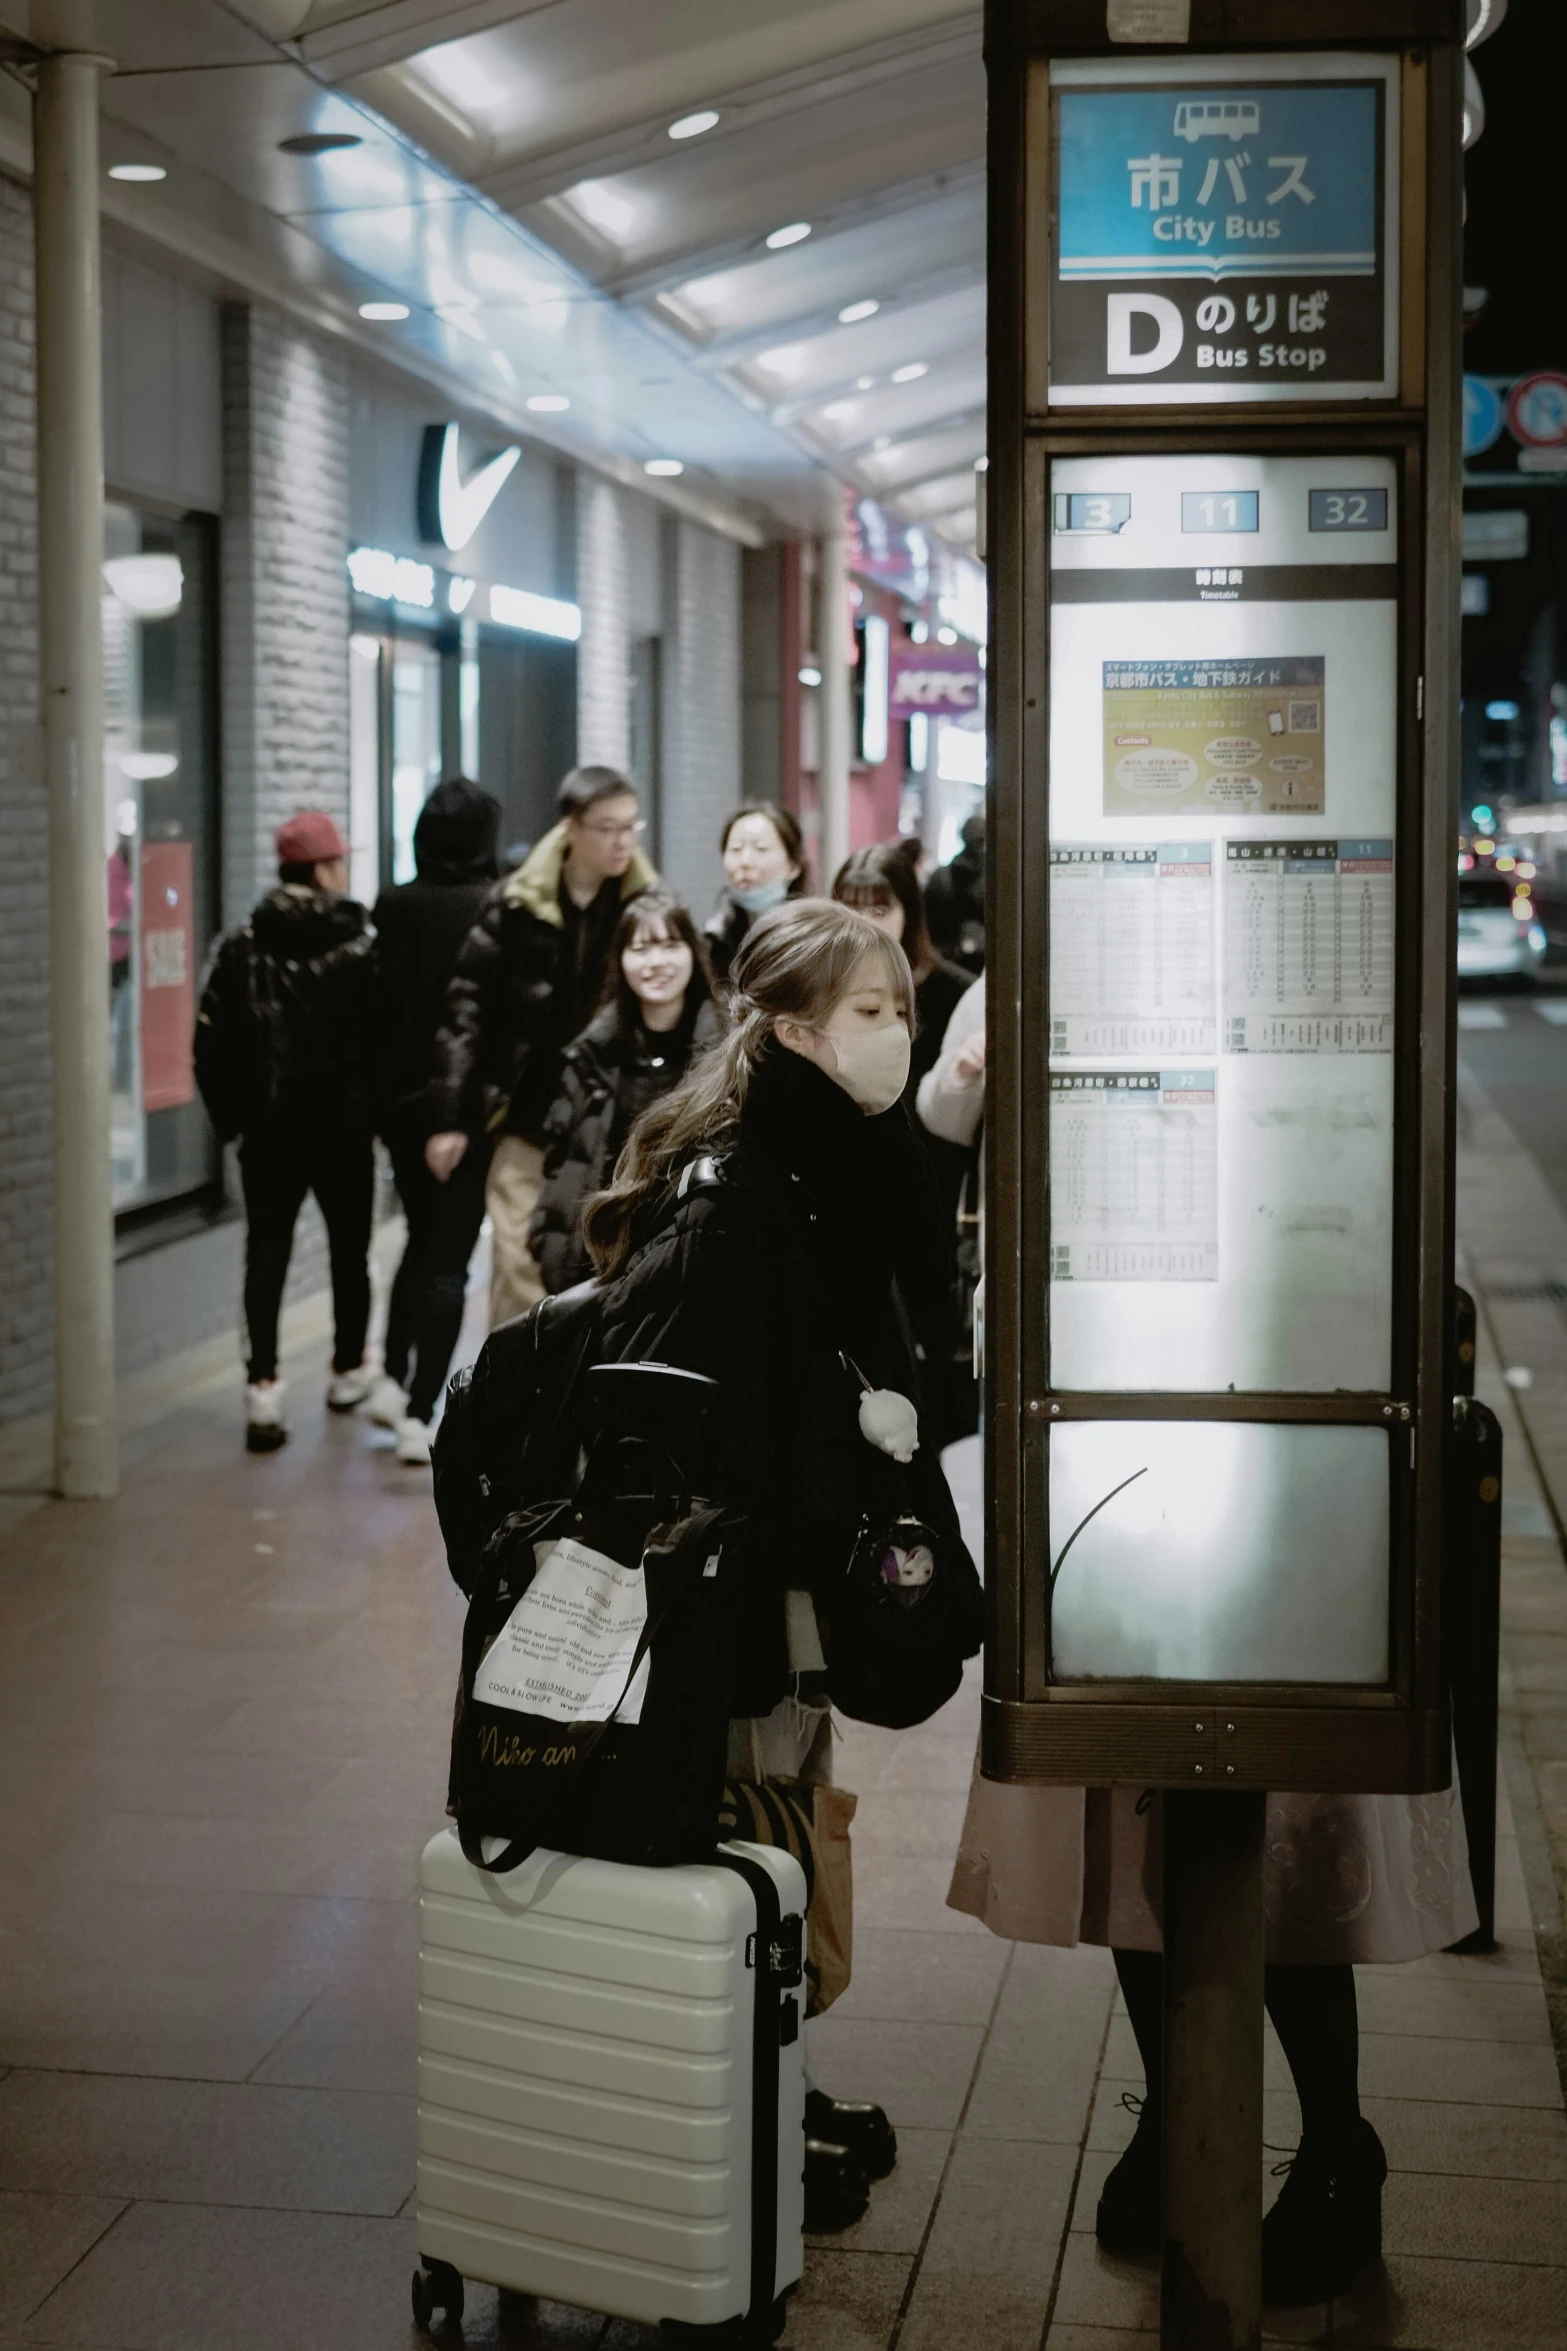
(1247, 1735)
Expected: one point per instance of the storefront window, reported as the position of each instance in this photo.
(416, 744)
(160, 828)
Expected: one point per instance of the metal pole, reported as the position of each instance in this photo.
(833, 780)
(70, 552)
(1211, 2287)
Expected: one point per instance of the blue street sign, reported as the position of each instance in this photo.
(1482, 416)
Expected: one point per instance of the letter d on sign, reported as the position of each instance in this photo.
(1120, 310)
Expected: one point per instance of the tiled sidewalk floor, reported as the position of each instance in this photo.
(224, 1704)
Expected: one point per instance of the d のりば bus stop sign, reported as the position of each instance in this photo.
(1223, 240)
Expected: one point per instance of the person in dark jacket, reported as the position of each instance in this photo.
(882, 883)
(527, 979)
(284, 1062)
(955, 901)
(790, 1282)
(764, 863)
(420, 927)
(658, 1016)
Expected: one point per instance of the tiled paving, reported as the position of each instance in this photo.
(224, 1704)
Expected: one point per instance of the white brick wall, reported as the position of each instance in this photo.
(701, 707)
(26, 1256)
(603, 650)
(285, 589)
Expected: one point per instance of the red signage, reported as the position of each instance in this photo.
(940, 680)
(168, 974)
(1537, 409)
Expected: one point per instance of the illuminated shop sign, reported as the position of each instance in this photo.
(384, 578)
(450, 509)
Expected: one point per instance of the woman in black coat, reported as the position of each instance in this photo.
(770, 1226)
(658, 1016)
(420, 928)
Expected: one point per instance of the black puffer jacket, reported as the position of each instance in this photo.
(420, 927)
(515, 999)
(284, 1029)
(785, 1281)
(609, 1075)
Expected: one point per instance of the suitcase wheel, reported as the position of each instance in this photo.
(437, 2286)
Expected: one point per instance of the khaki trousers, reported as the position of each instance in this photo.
(511, 1194)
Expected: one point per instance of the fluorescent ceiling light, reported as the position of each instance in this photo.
(462, 76)
(541, 616)
(691, 126)
(709, 293)
(665, 467)
(852, 312)
(795, 234)
(912, 373)
(785, 359)
(602, 206)
(548, 403)
(150, 585)
(837, 410)
(137, 171)
(383, 310)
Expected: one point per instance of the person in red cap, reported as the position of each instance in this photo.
(284, 1063)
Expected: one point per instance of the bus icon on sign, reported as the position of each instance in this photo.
(1217, 118)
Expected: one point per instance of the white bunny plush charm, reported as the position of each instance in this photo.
(890, 1422)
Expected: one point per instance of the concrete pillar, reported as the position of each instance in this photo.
(70, 553)
(834, 624)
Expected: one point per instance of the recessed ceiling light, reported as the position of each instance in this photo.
(795, 234)
(691, 126)
(383, 310)
(882, 441)
(853, 312)
(910, 374)
(665, 467)
(810, 675)
(946, 636)
(864, 383)
(137, 171)
(548, 403)
(319, 142)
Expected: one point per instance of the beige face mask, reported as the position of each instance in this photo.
(873, 1066)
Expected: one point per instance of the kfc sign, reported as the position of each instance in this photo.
(941, 680)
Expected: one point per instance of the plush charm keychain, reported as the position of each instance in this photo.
(887, 1420)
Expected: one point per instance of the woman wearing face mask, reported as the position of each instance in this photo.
(764, 863)
(657, 1016)
(764, 1221)
(882, 883)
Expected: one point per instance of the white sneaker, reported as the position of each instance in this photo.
(346, 1389)
(413, 1443)
(265, 1427)
(387, 1403)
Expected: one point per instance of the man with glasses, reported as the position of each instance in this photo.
(530, 975)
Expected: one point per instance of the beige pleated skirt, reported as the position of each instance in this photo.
(1357, 1878)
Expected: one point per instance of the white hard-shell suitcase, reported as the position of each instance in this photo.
(612, 2086)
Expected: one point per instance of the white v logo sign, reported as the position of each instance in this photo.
(450, 509)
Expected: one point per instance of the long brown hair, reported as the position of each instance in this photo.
(795, 964)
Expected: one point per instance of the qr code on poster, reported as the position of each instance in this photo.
(1305, 718)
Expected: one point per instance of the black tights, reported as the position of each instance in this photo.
(1314, 2015)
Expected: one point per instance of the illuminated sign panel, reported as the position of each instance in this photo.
(1224, 239)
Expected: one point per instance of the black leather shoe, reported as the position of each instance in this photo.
(863, 2129)
(1326, 2223)
(836, 2188)
(1129, 2218)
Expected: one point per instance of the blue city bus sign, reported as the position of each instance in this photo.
(1223, 239)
